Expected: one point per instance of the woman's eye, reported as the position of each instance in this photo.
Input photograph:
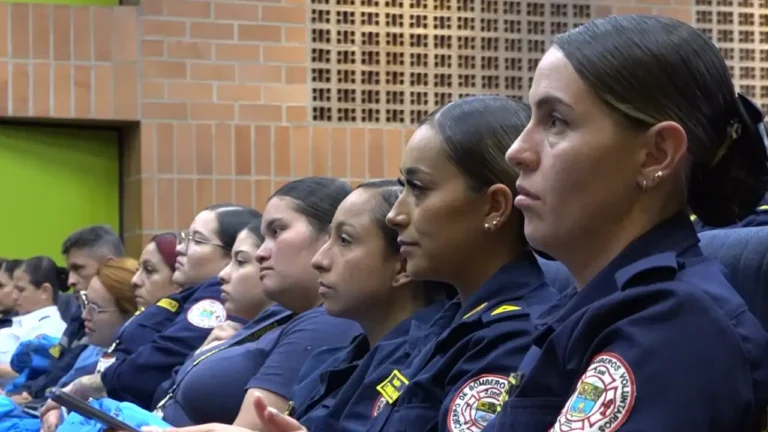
(344, 240)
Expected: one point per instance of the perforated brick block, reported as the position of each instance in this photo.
(393, 61)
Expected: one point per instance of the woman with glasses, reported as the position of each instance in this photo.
(187, 318)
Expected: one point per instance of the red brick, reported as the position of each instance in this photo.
(212, 72)
(236, 12)
(187, 9)
(284, 54)
(212, 31)
(259, 33)
(211, 111)
(284, 14)
(238, 52)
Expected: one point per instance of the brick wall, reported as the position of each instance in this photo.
(219, 96)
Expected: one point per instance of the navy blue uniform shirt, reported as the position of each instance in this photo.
(294, 344)
(342, 390)
(208, 388)
(135, 378)
(463, 370)
(658, 341)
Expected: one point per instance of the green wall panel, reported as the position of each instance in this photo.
(69, 2)
(54, 181)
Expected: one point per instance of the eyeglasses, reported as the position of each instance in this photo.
(185, 237)
(90, 308)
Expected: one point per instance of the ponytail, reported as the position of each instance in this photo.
(43, 270)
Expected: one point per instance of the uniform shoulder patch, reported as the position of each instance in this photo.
(503, 311)
(55, 351)
(207, 314)
(603, 397)
(166, 303)
(477, 403)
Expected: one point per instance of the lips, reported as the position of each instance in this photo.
(524, 191)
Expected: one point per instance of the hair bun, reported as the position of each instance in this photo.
(731, 189)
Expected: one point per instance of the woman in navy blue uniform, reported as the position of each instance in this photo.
(363, 278)
(202, 391)
(456, 224)
(295, 225)
(175, 326)
(633, 118)
(154, 280)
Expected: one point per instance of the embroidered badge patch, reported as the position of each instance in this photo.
(603, 397)
(207, 314)
(391, 388)
(378, 405)
(478, 401)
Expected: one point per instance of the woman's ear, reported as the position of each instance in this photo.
(46, 290)
(401, 277)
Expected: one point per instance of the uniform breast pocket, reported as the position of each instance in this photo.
(417, 417)
(529, 414)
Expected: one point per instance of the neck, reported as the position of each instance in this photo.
(473, 275)
(379, 321)
(253, 313)
(593, 251)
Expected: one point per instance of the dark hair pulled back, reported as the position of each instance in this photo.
(477, 132)
(230, 220)
(650, 69)
(43, 270)
(315, 198)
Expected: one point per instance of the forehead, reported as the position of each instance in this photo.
(205, 223)
(81, 257)
(356, 207)
(556, 78)
(20, 276)
(150, 252)
(246, 241)
(97, 292)
(279, 208)
(426, 150)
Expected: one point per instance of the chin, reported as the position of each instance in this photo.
(418, 270)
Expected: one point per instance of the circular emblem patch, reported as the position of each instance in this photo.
(603, 397)
(207, 314)
(478, 401)
(378, 405)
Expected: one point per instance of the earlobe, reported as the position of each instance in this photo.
(402, 277)
(499, 207)
(666, 149)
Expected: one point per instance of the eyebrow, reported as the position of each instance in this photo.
(413, 171)
(344, 224)
(551, 100)
(240, 253)
(196, 232)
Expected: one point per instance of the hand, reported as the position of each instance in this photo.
(22, 398)
(274, 421)
(50, 416)
(225, 331)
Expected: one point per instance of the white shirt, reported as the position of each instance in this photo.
(45, 321)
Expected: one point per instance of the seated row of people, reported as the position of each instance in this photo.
(421, 306)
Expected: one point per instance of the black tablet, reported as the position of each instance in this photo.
(86, 410)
